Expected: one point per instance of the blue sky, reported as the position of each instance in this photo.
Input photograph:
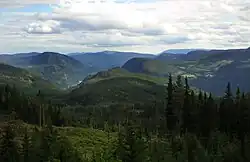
(29, 8)
(141, 26)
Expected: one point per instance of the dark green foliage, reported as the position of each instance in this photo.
(9, 148)
(20, 143)
(31, 109)
(243, 123)
(47, 138)
(151, 125)
(64, 151)
(228, 92)
(186, 110)
(131, 145)
(170, 113)
(227, 112)
(127, 90)
(208, 118)
(179, 82)
(178, 101)
(27, 147)
(205, 128)
(29, 83)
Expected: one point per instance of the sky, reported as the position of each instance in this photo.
(148, 26)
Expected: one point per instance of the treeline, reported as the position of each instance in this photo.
(31, 109)
(20, 143)
(197, 128)
(186, 121)
(186, 126)
(183, 110)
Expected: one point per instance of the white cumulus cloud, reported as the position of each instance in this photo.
(47, 27)
(149, 26)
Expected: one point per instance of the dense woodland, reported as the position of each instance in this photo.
(185, 126)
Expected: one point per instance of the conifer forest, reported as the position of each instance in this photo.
(183, 125)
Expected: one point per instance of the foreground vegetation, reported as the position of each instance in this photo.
(175, 125)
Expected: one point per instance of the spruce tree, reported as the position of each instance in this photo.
(9, 150)
(27, 147)
(186, 111)
(47, 139)
(40, 100)
(131, 146)
(207, 122)
(64, 150)
(178, 102)
(236, 111)
(244, 124)
(238, 96)
(179, 82)
(228, 92)
(195, 113)
(226, 112)
(200, 99)
(186, 84)
(169, 110)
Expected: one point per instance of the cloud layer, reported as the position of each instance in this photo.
(151, 26)
(22, 3)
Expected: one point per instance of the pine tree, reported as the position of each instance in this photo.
(178, 102)
(186, 84)
(131, 146)
(186, 111)
(244, 124)
(64, 151)
(205, 98)
(238, 96)
(200, 99)
(236, 111)
(208, 116)
(191, 146)
(46, 151)
(169, 110)
(179, 81)
(226, 111)
(26, 147)
(195, 114)
(228, 92)
(9, 149)
(40, 100)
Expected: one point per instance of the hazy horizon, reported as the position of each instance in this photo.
(167, 50)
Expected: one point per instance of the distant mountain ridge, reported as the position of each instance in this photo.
(60, 69)
(107, 59)
(179, 51)
(217, 66)
(208, 70)
(23, 79)
(51, 58)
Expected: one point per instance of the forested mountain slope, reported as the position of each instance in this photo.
(62, 70)
(107, 59)
(207, 70)
(117, 90)
(111, 119)
(23, 79)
